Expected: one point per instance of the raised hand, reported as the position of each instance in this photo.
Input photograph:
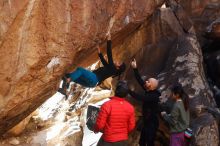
(98, 48)
(163, 113)
(108, 35)
(133, 63)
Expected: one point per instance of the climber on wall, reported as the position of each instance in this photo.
(88, 78)
(150, 100)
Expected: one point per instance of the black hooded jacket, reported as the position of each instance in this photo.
(150, 100)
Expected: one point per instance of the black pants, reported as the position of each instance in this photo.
(118, 143)
(148, 133)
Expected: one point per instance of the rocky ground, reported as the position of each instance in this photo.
(58, 122)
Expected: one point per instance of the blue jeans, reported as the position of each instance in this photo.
(84, 77)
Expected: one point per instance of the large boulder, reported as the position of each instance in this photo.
(185, 66)
(164, 49)
(40, 40)
(202, 13)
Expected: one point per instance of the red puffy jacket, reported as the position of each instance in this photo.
(115, 119)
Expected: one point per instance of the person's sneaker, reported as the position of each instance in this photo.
(63, 82)
(66, 97)
(62, 91)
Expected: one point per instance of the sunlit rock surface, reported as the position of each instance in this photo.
(39, 43)
(42, 39)
(19, 128)
(61, 122)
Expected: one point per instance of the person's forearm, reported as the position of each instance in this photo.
(214, 112)
(109, 52)
(138, 78)
(102, 59)
(168, 119)
(109, 44)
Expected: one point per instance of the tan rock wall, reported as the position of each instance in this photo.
(202, 13)
(41, 39)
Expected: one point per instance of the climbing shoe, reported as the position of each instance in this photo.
(62, 91)
(65, 83)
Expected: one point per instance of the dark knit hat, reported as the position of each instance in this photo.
(121, 89)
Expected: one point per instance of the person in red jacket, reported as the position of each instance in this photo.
(116, 118)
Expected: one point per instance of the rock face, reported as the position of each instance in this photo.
(213, 64)
(202, 13)
(171, 51)
(213, 30)
(41, 39)
(19, 128)
(186, 68)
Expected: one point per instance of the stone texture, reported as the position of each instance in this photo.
(202, 13)
(186, 68)
(213, 64)
(40, 40)
(39, 43)
(14, 141)
(213, 30)
(165, 49)
(19, 128)
(184, 65)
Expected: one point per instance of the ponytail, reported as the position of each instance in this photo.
(185, 99)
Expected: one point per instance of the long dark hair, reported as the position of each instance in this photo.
(178, 89)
